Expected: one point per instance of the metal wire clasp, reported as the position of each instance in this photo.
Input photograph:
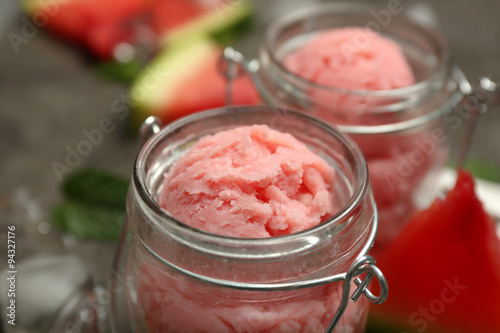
(231, 65)
(363, 265)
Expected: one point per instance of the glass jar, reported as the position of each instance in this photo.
(181, 279)
(401, 132)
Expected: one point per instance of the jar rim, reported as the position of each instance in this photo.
(359, 190)
(287, 19)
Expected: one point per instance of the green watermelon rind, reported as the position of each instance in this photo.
(221, 24)
(182, 53)
(179, 61)
(217, 22)
(222, 34)
(29, 7)
(227, 34)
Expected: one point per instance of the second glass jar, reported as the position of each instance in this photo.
(401, 131)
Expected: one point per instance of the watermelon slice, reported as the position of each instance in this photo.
(184, 79)
(100, 25)
(220, 19)
(443, 270)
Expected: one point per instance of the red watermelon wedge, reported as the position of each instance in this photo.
(184, 79)
(100, 25)
(443, 270)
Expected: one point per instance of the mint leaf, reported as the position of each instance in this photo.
(483, 169)
(96, 187)
(94, 206)
(89, 222)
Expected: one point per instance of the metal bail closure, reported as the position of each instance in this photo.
(149, 127)
(231, 65)
(481, 98)
(363, 265)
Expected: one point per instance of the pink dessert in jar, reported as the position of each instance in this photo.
(354, 61)
(351, 58)
(247, 182)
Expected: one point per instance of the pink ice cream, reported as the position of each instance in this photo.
(249, 182)
(245, 182)
(176, 305)
(351, 60)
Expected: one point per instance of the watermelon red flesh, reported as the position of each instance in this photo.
(96, 24)
(184, 79)
(443, 270)
(103, 38)
(100, 25)
(165, 15)
(206, 89)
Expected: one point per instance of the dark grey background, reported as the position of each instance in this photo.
(50, 92)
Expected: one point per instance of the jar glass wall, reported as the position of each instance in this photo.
(400, 131)
(185, 280)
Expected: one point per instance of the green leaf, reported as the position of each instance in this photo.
(58, 219)
(96, 187)
(94, 207)
(483, 169)
(89, 222)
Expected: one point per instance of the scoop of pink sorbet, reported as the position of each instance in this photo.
(249, 182)
(352, 58)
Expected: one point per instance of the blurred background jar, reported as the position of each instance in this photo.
(181, 279)
(401, 131)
